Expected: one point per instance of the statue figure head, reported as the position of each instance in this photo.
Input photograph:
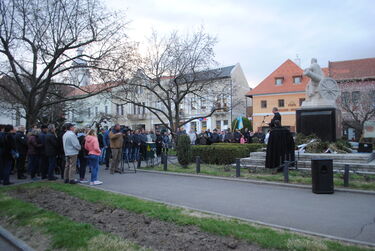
(314, 61)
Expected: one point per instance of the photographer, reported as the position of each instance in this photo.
(116, 141)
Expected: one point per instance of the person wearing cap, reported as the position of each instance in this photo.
(71, 149)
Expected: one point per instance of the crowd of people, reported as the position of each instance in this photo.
(44, 152)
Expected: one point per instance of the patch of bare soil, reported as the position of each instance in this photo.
(145, 231)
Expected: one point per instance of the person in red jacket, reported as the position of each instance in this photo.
(92, 146)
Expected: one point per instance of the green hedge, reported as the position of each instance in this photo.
(223, 153)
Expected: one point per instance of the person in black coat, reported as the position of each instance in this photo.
(51, 148)
(159, 143)
(280, 147)
(215, 138)
(43, 157)
(21, 146)
(276, 116)
(8, 150)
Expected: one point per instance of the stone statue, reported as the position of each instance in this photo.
(321, 91)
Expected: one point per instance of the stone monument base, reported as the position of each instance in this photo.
(324, 122)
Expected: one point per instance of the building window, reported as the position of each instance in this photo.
(345, 98)
(297, 79)
(225, 122)
(356, 97)
(143, 108)
(372, 97)
(263, 103)
(122, 109)
(301, 101)
(279, 81)
(96, 111)
(193, 126)
(89, 112)
(281, 103)
(218, 124)
(106, 109)
(117, 109)
(204, 125)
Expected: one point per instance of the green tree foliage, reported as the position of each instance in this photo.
(246, 124)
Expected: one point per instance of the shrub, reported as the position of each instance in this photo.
(223, 153)
(252, 147)
(183, 150)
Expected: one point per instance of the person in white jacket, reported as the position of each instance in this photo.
(71, 149)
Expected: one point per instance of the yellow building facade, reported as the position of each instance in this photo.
(285, 89)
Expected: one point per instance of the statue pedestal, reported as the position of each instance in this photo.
(324, 122)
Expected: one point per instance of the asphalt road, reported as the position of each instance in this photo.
(342, 214)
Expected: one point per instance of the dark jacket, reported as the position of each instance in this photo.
(33, 145)
(42, 140)
(21, 143)
(101, 140)
(128, 141)
(10, 145)
(215, 138)
(51, 145)
(237, 137)
(60, 143)
(136, 140)
(83, 152)
(277, 116)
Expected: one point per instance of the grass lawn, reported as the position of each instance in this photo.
(357, 181)
(63, 233)
(62, 230)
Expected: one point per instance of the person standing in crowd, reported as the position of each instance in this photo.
(276, 116)
(243, 140)
(215, 137)
(9, 151)
(159, 143)
(153, 136)
(166, 142)
(43, 159)
(107, 146)
(51, 151)
(92, 146)
(127, 146)
(33, 147)
(116, 141)
(237, 136)
(228, 138)
(136, 145)
(193, 136)
(82, 156)
(71, 149)
(21, 146)
(247, 135)
(60, 151)
(101, 145)
(143, 138)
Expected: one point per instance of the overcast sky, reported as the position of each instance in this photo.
(262, 34)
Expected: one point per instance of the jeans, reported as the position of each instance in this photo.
(33, 165)
(102, 155)
(126, 154)
(94, 165)
(52, 163)
(107, 156)
(135, 153)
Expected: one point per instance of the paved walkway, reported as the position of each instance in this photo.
(342, 214)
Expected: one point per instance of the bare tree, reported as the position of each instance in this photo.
(38, 44)
(357, 104)
(176, 69)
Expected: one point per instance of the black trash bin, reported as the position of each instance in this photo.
(322, 176)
